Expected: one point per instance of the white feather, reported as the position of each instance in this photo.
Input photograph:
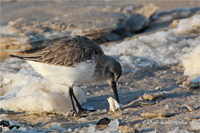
(82, 72)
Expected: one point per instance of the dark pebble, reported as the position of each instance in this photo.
(4, 123)
(11, 127)
(103, 121)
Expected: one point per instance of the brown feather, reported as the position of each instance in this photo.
(67, 52)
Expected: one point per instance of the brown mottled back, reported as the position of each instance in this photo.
(67, 52)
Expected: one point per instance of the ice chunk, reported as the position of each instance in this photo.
(166, 107)
(91, 129)
(114, 105)
(101, 132)
(56, 127)
(157, 49)
(195, 124)
(191, 25)
(22, 71)
(69, 130)
(82, 120)
(24, 90)
(177, 130)
(191, 63)
(113, 125)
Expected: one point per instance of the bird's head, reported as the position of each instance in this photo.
(112, 73)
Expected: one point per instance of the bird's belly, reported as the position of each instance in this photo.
(79, 74)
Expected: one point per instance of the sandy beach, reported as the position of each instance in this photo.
(156, 42)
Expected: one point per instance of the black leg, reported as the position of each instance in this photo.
(71, 93)
(81, 109)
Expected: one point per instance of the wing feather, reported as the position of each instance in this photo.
(67, 52)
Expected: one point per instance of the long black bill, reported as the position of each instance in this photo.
(114, 88)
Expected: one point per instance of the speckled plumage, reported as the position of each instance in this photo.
(68, 52)
(72, 51)
(75, 60)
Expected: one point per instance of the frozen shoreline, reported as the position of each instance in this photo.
(22, 89)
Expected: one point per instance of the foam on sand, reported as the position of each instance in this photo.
(191, 63)
(189, 25)
(157, 49)
(24, 90)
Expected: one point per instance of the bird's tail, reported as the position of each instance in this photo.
(17, 56)
(27, 57)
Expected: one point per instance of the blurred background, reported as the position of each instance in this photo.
(31, 24)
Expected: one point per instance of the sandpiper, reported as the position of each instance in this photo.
(73, 61)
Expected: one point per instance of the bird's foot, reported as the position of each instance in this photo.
(74, 113)
(86, 111)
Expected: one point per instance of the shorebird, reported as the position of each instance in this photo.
(73, 61)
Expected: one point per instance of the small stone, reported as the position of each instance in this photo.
(88, 93)
(138, 125)
(148, 10)
(153, 96)
(126, 129)
(137, 22)
(158, 88)
(153, 115)
(5, 123)
(191, 84)
(190, 108)
(149, 115)
(103, 121)
(14, 126)
(128, 10)
(104, 110)
(112, 37)
(189, 118)
(147, 96)
(174, 24)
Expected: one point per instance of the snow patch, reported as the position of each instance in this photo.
(191, 63)
(22, 89)
(157, 49)
(189, 25)
(195, 124)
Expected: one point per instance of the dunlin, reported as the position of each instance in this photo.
(75, 60)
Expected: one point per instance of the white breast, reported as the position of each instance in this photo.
(80, 74)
